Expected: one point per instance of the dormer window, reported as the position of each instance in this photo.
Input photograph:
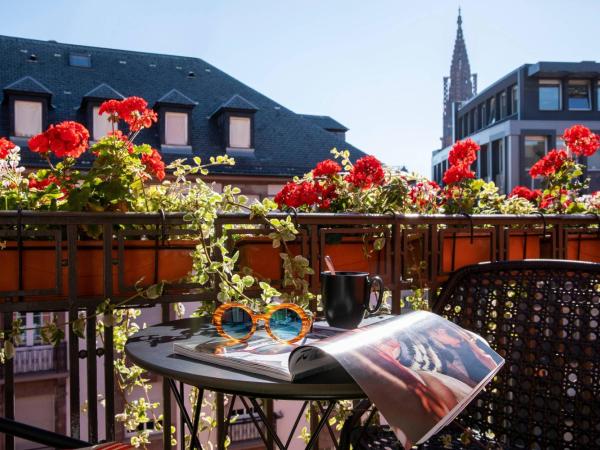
(176, 128)
(240, 135)
(101, 126)
(28, 103)
(28, 118)
(235, 120)
(174, 122)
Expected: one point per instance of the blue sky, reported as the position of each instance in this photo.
(376, 66)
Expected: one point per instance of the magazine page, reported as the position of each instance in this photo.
(260, 354)
(419, 369)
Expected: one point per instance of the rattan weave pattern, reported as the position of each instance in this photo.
(543, 317)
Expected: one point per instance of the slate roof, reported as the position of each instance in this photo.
(28, 84)
(325, 122)
(104, 92)
(285, 143)
(174, 97)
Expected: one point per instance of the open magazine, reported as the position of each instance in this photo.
(419, 369)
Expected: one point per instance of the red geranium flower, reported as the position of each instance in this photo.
(366, 172)
(326, 193)
(526, 193)
(549, 164)
(110, 107)
(456, 174)
(133, 110)
(40, 185)
(581, 140)
(67, 139)
(154, 164)
(463, 153)
(326, 168)
(5, 147)
(294, 195)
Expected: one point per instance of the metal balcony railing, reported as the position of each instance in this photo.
(432, 244)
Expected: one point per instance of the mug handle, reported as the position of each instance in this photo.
(371, 280)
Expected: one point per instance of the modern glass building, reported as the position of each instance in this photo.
(522, 116)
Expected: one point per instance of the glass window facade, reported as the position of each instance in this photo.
(549, 95)
(503, 105)
(514, 99)
(534, 147)
(492, 111)
(578, 93)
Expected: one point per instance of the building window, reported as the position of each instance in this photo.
(549, 95)
(239, 132)
(483, 162)
(497, 156)
(483, 114)
(593, 162)
(534, 148)
(101, 126)
(503, 105)
(31, 323)
(176, 128)
(492, 112)
(28, 118)
(578, 92)
(514, 100)
(80, 60)
(598, 96)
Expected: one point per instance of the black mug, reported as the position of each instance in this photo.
(346, 296)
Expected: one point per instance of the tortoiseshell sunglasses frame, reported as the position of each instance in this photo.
(304, 316)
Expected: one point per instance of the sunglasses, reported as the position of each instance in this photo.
(286, 323)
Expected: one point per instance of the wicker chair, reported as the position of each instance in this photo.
(543, 317)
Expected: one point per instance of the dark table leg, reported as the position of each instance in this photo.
(268, 434)
(192, 427)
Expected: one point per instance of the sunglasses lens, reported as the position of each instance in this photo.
(286, 324)
(236, 322)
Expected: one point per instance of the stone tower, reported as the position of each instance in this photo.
(460, 85)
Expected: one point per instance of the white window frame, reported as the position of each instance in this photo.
(31, 322)
(29, 129)
(183, 140)
(589, 94)
(97, 120)
(246, 120)
(553, 83)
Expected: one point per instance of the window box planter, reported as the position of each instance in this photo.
(45, 266)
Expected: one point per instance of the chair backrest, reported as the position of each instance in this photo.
(543, 317)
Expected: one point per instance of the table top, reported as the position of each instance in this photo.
(152, 349)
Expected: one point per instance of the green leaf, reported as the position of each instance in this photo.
(155, 291)
(79, 327)
(9, 349)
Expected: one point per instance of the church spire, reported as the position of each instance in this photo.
(460, 85)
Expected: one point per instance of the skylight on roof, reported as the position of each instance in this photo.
(80, 60)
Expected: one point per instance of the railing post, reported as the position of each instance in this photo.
(9, 387)
(74, 406)
(109, 373)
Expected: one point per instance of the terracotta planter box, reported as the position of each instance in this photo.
(459, 250)
(583, 247)
(40, 266)
(524, 246)
(257, 253)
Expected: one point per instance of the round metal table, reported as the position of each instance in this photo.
(152, 349)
